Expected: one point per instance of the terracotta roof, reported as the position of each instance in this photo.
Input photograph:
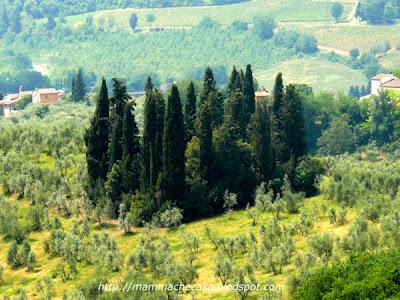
(381, 76)
(395, 83)
(8, 102)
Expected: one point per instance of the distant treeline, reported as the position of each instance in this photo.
(379, 11)
(59, 8)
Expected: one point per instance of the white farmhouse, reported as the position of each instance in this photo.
(384, 82)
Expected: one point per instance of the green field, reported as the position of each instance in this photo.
(322, 75)
(286, 10)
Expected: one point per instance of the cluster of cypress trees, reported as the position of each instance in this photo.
(189, 154)
(78, 87)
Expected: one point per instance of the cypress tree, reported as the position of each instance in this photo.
(118, 102)
(190, 112)
(292, 124)
(216, 109)
(204, 134)
(210, 85)
(96, 137)
(148, 136)
(261, 141)
(173, 175)
(278, 94)
(73, 89)
(78, 87)
(156, 159)
(249, 93)
(235, 113)
(130, 150)
(234, 81)
(277, 130)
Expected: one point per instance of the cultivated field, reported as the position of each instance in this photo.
(322, 75)
(347, 36)
(281, 10)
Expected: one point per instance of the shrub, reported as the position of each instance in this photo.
(170, 218)
(366, 276)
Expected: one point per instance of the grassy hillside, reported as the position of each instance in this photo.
(231, 225)
(320, 74)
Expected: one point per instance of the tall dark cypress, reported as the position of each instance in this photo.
(236, 114)
(118, 102)
(204, 134)
(292, 120)
(276, 121)
(156, 157)
(278, 94)
(249, 93)
(216, 109)
(148, 136)
(78, 87)
(96, 137)
(234, 81)
(190, 112)
(210, 85)
(173, 175)
(241, 77)
(130, 150)
(260, 139)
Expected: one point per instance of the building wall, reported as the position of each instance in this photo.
(44, 98)
(48, 98)
(375, 87)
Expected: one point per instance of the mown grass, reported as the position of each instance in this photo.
(322, 75)
(224, 225)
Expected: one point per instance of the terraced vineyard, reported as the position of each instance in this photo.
(348, 36)
(336, 77)
(391, 60)
(286, 10)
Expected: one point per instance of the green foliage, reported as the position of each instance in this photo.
(292, 200)
(133, 21)
(78, 87)
(378, 11)
(383, 116)
(337, 11)
(173, 171)
(170, 218)
(190, 111)
(336, 139)
(308, 171)
(264, 27)
(96, 137)
(118, 102)
(21, 256)
(362, 276)
(23, 102)
(260, 139)
(130, 140)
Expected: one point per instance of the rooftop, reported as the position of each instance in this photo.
(383, 77)
(394, 83)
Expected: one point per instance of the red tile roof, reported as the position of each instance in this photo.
(394, 84)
